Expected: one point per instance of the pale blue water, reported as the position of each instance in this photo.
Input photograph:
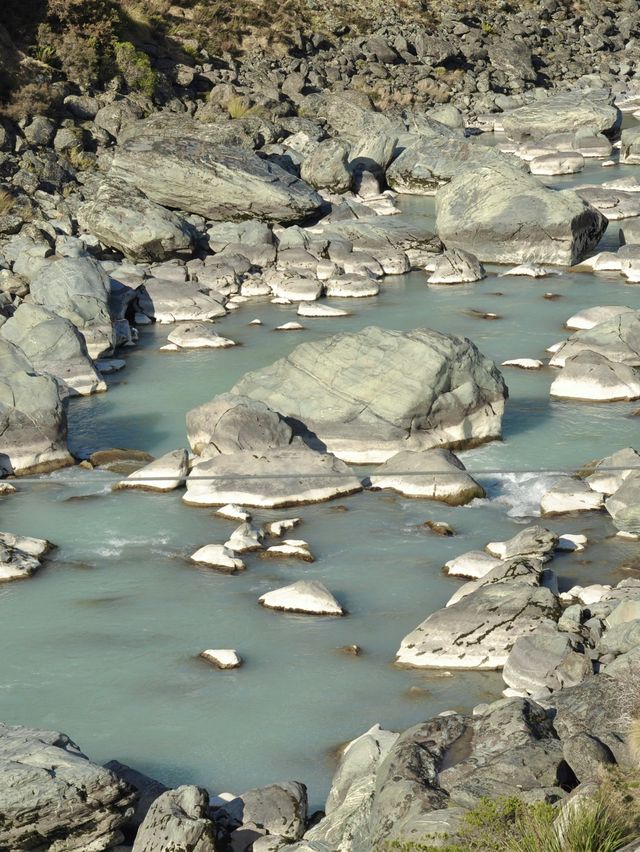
(102, 643)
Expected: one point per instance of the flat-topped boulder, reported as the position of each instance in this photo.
(33, 434)
(502, 215)
(52, 797)
(270, 479)
(123, 218)
(431, 474)
(590, 317)
(479, 629)
(354, 393)
(55, 346)
(566, 111)
(78, 289)
(309, 597)
(214, 180)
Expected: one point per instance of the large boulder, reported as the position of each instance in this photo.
(479, 629)
(33, 421)
(436, 156)
(123, 218)
(78, 289)
(503, 215)
(566, 111)
(230, 422)
(178, 820)
(624, 505)
(354, 393)
(431, 474)
(217, 181)
(52, 797)
(545, 660)
(54, 346)
(167, 301)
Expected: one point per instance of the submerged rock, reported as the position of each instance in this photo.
(502, 215)
(432, 474)
(52, 797)
(309, 597)
(354, 392)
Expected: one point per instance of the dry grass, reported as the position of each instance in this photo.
(7, 202)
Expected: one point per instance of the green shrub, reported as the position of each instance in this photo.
(135, 67)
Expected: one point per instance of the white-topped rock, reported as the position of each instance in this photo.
(233, 512)
(225, 658)
(530, 270)
(319, 310)
(474, 564)
(290, 326)
(244, 539)
(592, 376)
(523, 363)
(164, 474)
(306, 596)
(589, 317)
(297, 289)
(566, 163)
(571, 542)
(537, 542)
(611, 471)
(570, 495)
(434, 474)
(218, 556)
(198, 335)
(290, 548)
(277, 528)
(587, 595)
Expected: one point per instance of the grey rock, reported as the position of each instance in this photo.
(77, 288)
(33, 423)
(630, 145)
(434, 157)
(354, 393)
(545, 660)
(589, 375)
(52, 797)
(326, 166)
(53, 345)
(231, 422)
(586, 756)
(480, 628)
(457, 267)
(216, 181)
(279, 809)
(177, 820)
(621, 638)
(168, 301)
(537, 542)
(148, 789)
(502, 215)
(123, 218)
(567, 111)
(624, 505)
(618, 339)
(514, 58)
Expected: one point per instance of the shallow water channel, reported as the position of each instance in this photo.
(103, 642)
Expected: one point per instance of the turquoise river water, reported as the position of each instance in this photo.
(103, 642)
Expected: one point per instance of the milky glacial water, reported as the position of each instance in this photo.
(103, 642)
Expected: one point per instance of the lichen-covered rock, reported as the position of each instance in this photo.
(33, 421)
(354, 392)
(178, 820)
(502, 215)
(52, 797)
(231, 422)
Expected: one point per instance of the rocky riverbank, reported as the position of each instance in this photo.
(245, 176)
